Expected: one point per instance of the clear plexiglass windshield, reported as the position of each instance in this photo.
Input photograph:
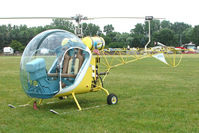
(49, 45)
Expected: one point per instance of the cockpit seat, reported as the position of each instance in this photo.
(71, 64)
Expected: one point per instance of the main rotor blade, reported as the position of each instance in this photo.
(116, 18)
(36, 18)
(72, 18)
(121, 18)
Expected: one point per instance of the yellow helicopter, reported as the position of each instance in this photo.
(57, 63)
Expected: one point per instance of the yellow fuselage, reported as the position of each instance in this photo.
(86, 84)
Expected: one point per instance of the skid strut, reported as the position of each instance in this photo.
(105, 90)
(73, 94)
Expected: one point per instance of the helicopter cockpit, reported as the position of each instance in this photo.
(53, 61)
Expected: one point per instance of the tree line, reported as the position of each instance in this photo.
(170, 34)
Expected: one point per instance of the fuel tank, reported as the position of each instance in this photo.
(94, 42)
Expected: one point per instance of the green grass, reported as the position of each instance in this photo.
(152, 98)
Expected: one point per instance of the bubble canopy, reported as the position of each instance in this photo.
(45, 51)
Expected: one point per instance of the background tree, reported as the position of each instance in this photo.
(139, 29)
(155, 26)
(108, 28)
(195, 35)
(165, 24)
(179, 28)
(166, 32)
(90, 29)
(17, 46)
(165, 36)
(187, 35)
(138, 36)
(116, 45)
(61, 23)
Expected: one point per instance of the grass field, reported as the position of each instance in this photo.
(152, 98)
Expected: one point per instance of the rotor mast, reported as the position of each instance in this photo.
(78, 29)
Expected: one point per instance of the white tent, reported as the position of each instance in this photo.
(8, 50)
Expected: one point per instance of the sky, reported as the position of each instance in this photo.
(172, 10)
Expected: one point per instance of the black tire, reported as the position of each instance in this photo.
(61, 98)
(112, 99)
